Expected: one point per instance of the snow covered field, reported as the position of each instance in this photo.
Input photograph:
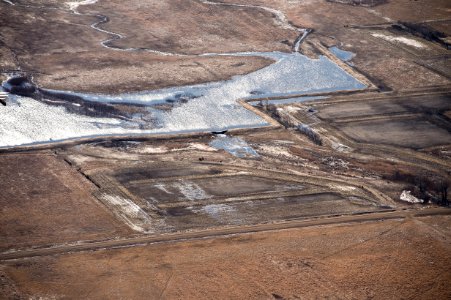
(212, 106)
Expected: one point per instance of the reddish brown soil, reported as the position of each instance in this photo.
(44, 201)
(374, 260)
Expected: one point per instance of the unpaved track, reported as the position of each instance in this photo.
(212, 233)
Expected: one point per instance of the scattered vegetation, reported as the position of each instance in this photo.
(272, 110)
(312, 135)
(429, 187)
(20, 85)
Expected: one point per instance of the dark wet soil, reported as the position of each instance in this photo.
(20, 85)
(424, 32)
(368, 3)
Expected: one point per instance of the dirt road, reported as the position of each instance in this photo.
(165, 238)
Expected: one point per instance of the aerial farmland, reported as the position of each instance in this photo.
(197, 149)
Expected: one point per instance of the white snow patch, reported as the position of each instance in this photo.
(131, 213)
(284, 142)
(201, 147)
(340, 147)
(191, 190)
(344, 188)
(79, 159)
(163, 149)
(214, 109)
(234, 145)
(376, 13)
(216, 210)
(151, 150)
(162, 187)
(32, 121)
(400, 39)
(277, 151)
(408, 197)
(73, 5)
(290, 108)
(335, 162)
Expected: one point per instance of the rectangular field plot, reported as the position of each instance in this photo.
(401, 105)
(263, 211)
(352, 109)
(207, 188)
(411, 133)
(130, 175)
(178, 197)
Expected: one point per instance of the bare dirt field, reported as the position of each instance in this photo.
(395, 132)
(193, 27)
(105, 73)
(264, 210)
(409, 104)
(45, 202)
(375, 260)
(415, 121)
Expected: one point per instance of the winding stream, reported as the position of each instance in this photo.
(280, 18)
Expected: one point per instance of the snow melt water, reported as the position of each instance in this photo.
(234, 145)
(213, 106)
(342, 54)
